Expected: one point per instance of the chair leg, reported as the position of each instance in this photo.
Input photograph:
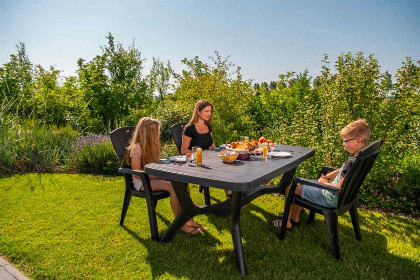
(127, 199)
(331, 220)
(311, 217)
(206, 195)
(151, 209)
(289, 200)
(355, 221)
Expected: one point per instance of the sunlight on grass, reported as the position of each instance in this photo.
(62, 226)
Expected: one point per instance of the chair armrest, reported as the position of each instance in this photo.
(130, 171)
(316, 184)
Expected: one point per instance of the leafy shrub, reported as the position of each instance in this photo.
(94, 154)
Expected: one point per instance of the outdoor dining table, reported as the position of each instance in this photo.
(244, 178)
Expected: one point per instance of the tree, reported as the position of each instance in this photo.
(113, 85)
(159, 78)
(16, 83)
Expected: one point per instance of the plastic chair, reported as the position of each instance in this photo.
(346, 196)
(120, 139)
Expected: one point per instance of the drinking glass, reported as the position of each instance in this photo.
(193, 153)
(242, 139)
(272, 146)
(265, 150)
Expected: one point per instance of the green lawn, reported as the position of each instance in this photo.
(62, 226)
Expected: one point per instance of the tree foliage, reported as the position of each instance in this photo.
(111, 90)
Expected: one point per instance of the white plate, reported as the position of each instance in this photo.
(223, 146)
(280, 154)
(181, 159)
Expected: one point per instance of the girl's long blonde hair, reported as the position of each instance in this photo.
(200, 105)
(147, 134)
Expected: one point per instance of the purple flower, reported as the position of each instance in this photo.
(91, 139)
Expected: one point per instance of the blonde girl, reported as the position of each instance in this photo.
(144, 148)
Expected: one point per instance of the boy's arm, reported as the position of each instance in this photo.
(336, 186)
(327, 178)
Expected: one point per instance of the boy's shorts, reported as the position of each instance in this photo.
(316, 195)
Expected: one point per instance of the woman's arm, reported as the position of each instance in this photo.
(185, 145)
(212, 145)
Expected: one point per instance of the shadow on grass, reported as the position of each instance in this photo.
(305, 252)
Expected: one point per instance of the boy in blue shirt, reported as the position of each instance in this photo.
(355, 136)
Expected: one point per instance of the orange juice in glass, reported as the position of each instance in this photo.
(265, 150)
(199, 157)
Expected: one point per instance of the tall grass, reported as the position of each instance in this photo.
(31, 147)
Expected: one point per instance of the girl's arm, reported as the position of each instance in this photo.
(135, 165)
(185, 145)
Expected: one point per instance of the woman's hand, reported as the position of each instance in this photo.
(185, 145)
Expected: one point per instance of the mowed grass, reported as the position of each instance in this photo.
(66, 226)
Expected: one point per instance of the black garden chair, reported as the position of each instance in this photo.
(120, 139)
(177, 130)
(346, 196)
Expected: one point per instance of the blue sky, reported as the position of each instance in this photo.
(264, 38)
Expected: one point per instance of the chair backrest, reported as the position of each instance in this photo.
(357, 173)
(177, 130)
(120, 139)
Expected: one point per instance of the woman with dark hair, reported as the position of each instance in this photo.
(198, 131)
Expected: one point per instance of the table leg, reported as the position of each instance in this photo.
(235, 229)
(285, 181)
(188, 211)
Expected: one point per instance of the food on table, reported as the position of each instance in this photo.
(252, 145)
(254, 142)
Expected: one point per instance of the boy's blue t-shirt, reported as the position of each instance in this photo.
(330, 196)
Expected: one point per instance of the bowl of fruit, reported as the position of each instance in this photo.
(228, 156)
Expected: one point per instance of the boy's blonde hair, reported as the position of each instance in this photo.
(359, 128)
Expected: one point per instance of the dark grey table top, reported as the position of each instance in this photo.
(242, 176)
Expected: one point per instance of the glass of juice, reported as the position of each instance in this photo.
(264, 150)
(199, 157)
